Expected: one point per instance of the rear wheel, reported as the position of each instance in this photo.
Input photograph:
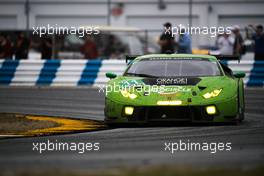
(241, 105)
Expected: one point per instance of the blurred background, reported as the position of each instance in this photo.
(126, 26)
(75, 67)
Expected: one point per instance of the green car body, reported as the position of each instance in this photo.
(143, 99)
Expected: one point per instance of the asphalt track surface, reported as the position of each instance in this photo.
(129, 146)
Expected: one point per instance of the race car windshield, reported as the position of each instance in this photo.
(173, 68)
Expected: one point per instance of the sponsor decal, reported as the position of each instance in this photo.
(172, 81)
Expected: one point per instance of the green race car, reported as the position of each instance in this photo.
(175, 87)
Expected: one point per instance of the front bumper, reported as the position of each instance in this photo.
(225, 111)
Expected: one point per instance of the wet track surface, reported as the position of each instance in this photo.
(127, 146)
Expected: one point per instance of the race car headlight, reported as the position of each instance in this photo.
(211, 110)
(127, 94)
(129, 110)
(212, 94)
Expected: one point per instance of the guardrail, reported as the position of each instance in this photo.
(57, 72)
(91, 72)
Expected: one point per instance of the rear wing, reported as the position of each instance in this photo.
(130, 58)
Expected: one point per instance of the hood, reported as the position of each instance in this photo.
(151, 90)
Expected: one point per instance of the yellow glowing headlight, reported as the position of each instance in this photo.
(211, 110)
(126, 94)
(172, 102)
(214, 93)
(132, 96)
(129, 110)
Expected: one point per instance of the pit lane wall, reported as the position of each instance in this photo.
(92, 72)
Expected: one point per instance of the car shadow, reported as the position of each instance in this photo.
(172, 124)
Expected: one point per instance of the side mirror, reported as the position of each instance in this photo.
(239, 74)
(110, 75)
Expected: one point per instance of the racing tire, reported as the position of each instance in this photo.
(241, 110)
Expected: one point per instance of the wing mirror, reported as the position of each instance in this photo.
(110, 75)
(239, 74)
